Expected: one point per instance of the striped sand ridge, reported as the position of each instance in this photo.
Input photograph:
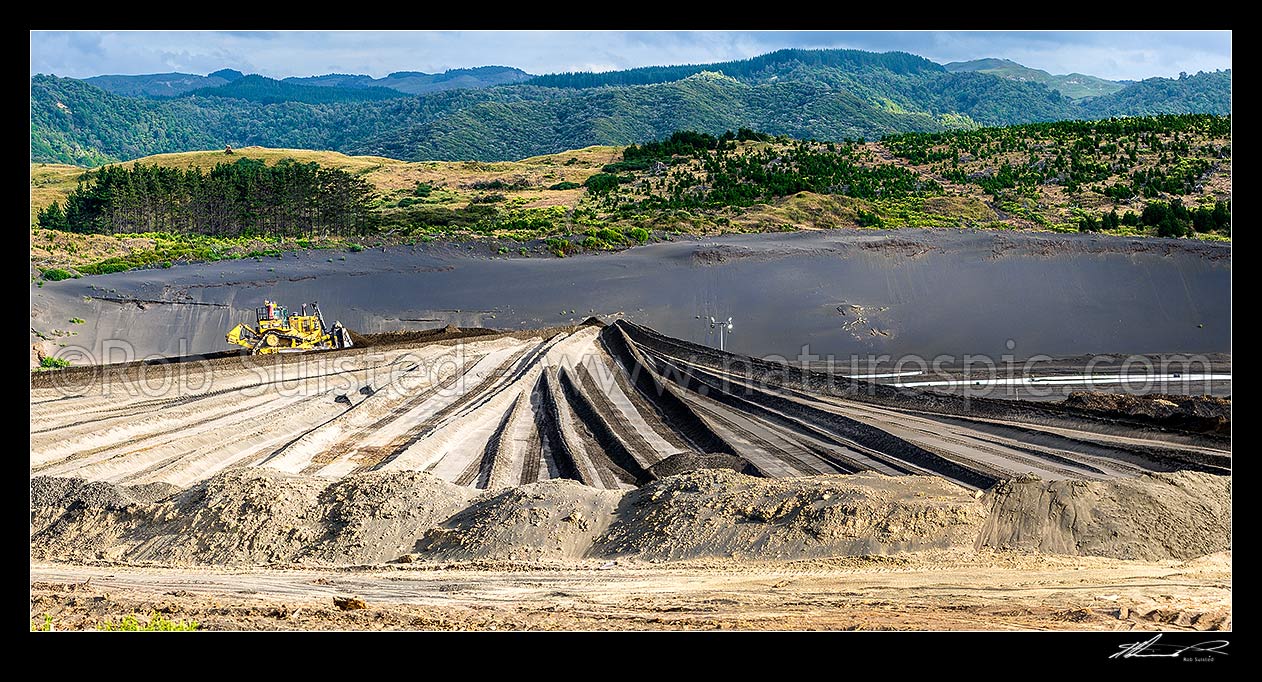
(600, 404)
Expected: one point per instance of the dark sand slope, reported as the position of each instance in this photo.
(612, 407)
(841, 292)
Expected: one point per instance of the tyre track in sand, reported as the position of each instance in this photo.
(600, 404)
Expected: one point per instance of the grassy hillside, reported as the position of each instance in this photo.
(1057, 176)
(52, 182)
(1075, 86)
(449, 190)
(392, 178)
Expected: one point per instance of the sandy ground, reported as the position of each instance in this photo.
(934, 591)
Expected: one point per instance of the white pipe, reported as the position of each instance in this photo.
(1069, 380)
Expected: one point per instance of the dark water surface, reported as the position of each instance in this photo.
(917, 291)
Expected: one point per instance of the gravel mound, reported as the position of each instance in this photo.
(153, 492)
(684, 462)
(51, 497)
(555, 519)
(248, 516)
(720, 513)
(1180, 515)
(377, 516)
(1200, 413)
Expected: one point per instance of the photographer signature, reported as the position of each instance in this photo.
(1152, 649)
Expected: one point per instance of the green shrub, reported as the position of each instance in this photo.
(107, 266)
(566, 185)
(57, 274)
(76, 320)
(157, 623)
(601, 182)
(606, 236)
(422, 190)
(49, 362)
(356, 248)
(869, 219)
(633, 165)
(561, 247)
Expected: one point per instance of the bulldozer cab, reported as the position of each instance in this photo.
(270, 312)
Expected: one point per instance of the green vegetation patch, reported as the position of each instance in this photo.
(155, 623)
(48, 362)
(57, 274)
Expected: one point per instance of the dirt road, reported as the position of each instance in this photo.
(919, 591)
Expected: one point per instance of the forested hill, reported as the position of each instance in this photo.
(820, 94)
(1072, 85)
(765, 67)
(266, 90)
(1206, 93)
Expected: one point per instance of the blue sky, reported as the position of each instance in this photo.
(1109, 54)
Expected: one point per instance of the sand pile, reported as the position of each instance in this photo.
(1179, 515)
(557, 519)
(719, 513)
(51, 498)
(243, 517)
(377, 516)
(255, 516)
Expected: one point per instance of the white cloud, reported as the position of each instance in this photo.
(1109, 54)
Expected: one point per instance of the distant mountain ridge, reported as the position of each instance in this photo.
(266, 90)
(156, 84)
(406, 82)
(418, 82)
(1073, 85)
(820, 94)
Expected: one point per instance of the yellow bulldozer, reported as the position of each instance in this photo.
(280, 331)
